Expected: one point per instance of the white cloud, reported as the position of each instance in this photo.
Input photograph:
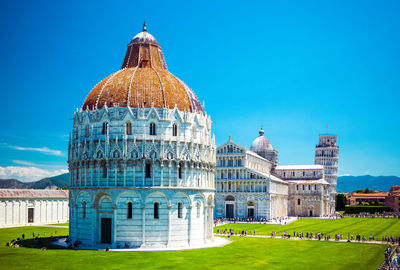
(28, 174)
(38, 149)
(23, 162)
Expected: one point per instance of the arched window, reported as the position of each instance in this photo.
(87, 131)
(179, 210)
(174, 130)
(129, 215)
(83, 209)
(148, 170)
(156, 214)
(152, 129)
(128, 128)
(297, 187)
(105, 128)
(298, 201)
(104, 169)
(180, 171)
(198, 208)
(315, 187)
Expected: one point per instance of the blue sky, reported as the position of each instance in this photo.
(292, 67)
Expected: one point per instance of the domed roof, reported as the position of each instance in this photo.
(261, 143)
(144, 37)
(144, 81)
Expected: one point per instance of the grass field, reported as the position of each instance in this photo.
(60, 224)
(244, 253)
(377, 227)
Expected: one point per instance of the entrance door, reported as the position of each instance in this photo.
(30, 215)
(106, 230)
(229, 211)
(250, 212)
(311, 213)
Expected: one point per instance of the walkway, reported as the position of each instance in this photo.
(306, 239)
(286, 221)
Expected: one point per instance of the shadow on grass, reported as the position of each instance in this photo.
(40, 242)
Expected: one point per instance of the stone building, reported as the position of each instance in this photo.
(308, 190)
(250, 183)
(393, 199)
(141, 158)
(22, 207)
(377, 198)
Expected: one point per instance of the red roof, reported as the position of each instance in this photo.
(33, 194)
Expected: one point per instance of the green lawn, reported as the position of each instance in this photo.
(244, 253)
(60, 224)
(377, 227)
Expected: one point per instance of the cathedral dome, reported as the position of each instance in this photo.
(261, 143)
(143, 81)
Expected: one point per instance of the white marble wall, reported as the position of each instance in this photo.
(108, 170)
(14, 212)
(195, 226)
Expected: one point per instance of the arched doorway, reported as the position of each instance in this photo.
(230, 206)
(105, 221)
(310, 211)
(250, 209)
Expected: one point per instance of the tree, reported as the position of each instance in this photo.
(340, 202)
(64, 188)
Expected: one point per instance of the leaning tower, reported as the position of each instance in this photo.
(327, 154)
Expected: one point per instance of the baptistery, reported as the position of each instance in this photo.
(141, 158)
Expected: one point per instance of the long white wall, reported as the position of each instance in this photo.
(14, 212)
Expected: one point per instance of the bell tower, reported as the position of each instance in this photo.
(327, 154)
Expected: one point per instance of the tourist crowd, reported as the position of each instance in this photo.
(377, 215)
(392, 259)
(318, 236)
(224, 220)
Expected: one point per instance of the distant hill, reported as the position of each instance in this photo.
(344, 183)
(60, 181)
(352, 183)
(12, 183)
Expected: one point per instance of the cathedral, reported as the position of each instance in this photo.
(141, 158)
(251, 184)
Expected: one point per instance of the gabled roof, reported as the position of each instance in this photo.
(230, 143)
(33, 194)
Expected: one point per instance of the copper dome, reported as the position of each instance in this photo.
(144, 81)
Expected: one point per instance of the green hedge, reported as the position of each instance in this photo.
(356, 209)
